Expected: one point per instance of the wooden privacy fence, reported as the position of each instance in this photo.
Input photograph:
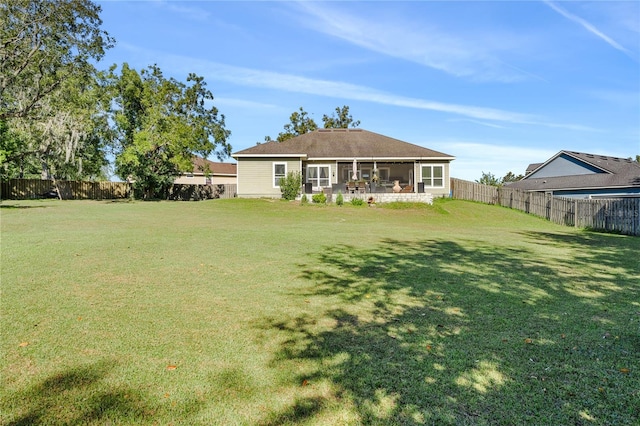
(26, 189)
(615, 215)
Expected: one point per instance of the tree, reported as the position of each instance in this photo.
(49, 100)
(44, 43)
(510, 177)
(342, 120)
(299, 124)
(160, 125)
(489, 179)
(67, 138)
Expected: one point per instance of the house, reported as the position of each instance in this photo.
(331, 159)
(580, 175)
(207, 172)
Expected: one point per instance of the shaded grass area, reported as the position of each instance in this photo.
(260, 312)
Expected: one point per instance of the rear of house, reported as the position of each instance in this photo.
(341, 159)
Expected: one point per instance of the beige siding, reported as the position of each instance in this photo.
(194, 180)
(224, 180)
(199, 179)
(255, 176)
(437, 192)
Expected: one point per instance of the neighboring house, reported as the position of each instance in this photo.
(326, 159)
(581, 175)
(207, 172)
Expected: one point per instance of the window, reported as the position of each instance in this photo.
(279, 172)
(318, 176)
(383, 174)
(433, 175)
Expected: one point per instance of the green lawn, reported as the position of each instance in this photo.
(256, 312)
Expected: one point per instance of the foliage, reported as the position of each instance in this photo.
(340, 120)
(161, 123)
(49, 96)
(44, 43)
(510, 177)
(490, 179)
(290, 185)
(304, 200)
(339, 199)
(357, 201)
(13, 163)
(319, 198)
(300, 123)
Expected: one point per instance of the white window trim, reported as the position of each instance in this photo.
(318, 166)
(444, 177)
(273, 172)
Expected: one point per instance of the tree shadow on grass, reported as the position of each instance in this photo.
(77, 396)
(465, 332)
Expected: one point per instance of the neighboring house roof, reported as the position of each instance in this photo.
(586, 171)
(347, 144)
(531, 167)
(221, 169)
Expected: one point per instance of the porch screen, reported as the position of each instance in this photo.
(318, 176)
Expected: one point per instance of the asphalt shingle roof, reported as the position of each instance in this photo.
(344, 144)
(200, 164)
(616, 173)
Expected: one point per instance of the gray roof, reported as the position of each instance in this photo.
(343, 144)
(616, 173)
(200, 164)
(531, 167)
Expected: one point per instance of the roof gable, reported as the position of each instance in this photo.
(565, 164)
(342, 144)
(200, 165)
(581, 171)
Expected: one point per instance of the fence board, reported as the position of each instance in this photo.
(25, 189)
(615, 215)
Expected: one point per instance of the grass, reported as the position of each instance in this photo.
(257, 312)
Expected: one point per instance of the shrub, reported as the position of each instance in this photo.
(339, 198)
(319, 198)
(290, 185)
(357, 202)
(304, 200)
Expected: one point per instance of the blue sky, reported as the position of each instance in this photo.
(497, 84)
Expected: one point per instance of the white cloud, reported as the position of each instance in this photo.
(589, 27)
(213, 71)
(474, 56)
